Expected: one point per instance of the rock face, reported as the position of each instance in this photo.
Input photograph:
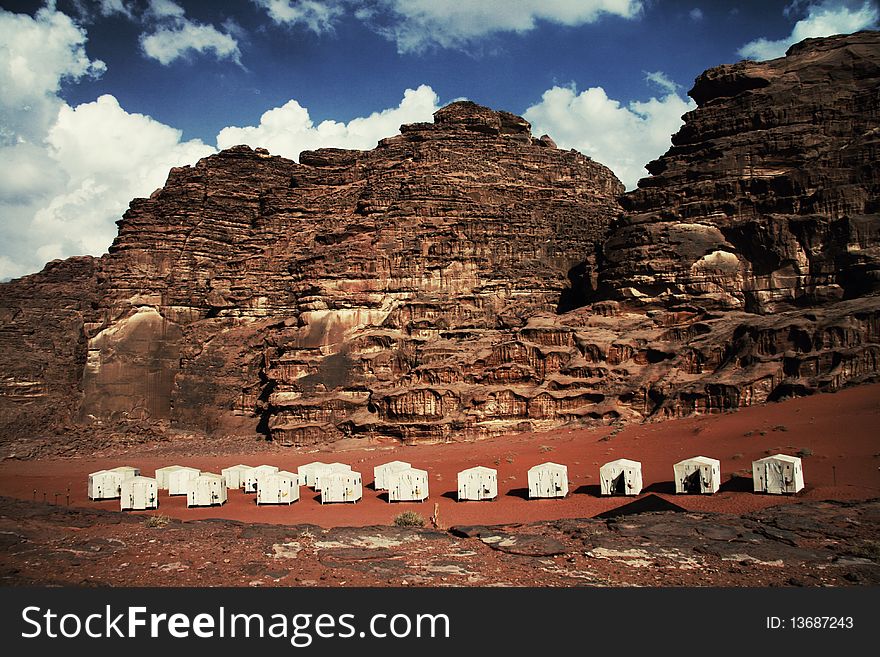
(352, 292)
(42, 344)
(768, 198)
(465, 279)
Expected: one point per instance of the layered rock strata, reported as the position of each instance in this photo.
(465, 279)
(768, 198)
(305, 298)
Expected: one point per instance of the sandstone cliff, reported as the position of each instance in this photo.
(465, 279)
(768, 198)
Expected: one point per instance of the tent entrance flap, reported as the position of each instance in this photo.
(618, 484)
(693, 483)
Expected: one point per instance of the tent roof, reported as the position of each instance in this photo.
(122, 468)
(481, 469)
(169, 468)
(313, 465)
(144, 479)
(395, 464)
(416, 470)
(210, 475)
(626, 463)
(339, 467)
(705, 460)
(287, 473)
(240, 466)
(549, 465)
(186, 468)
(92, 474)
(779, 457)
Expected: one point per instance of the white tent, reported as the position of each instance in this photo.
(381, 473)
(341, 486)
(206, 489)
(699, 474)
(548, 480)
(232, 474)
(621, 477)
(139, 493)
(178, 480)
(250, 476)
(280, 487)
(332, 468)
(308, 472)
(162, 475)
(107, 484)
(478, 483)
(778, 474)
(409, 485)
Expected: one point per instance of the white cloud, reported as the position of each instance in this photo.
(110, 7)
(165, 9)
(317, 16)
(174, 36)
(419, 24)
(823, 19)
(288, 130)
(168, 44)
(696, 14)
(36, 54)
(416, 25)
(67, 174)
(663, 81)
(624, 138)
(110, 156)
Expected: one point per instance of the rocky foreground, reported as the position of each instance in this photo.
(803, 544)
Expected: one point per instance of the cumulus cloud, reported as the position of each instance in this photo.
(67, 174)
(822, 19)
(416, 25)
(622, 137)
(288, 130)
(109, 156)
(696, 14)
(175, 36)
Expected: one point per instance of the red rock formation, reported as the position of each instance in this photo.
(415, 290)
(321, 295)
(768, 198)
(42, 345)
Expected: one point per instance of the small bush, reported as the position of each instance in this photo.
(409, 519)
(545, 448)
(157, 521)
(804, 451)
(780, 427)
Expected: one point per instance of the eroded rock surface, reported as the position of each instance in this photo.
(768, 198)
(465, 279)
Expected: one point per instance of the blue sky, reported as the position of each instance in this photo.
(101, 97)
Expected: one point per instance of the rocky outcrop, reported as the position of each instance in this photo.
(768, 198)
(42, 345)
(312, 300)
(464, 279)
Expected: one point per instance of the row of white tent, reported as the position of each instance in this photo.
(337, 482)
(777, 474)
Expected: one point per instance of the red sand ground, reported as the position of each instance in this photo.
(839, 432)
